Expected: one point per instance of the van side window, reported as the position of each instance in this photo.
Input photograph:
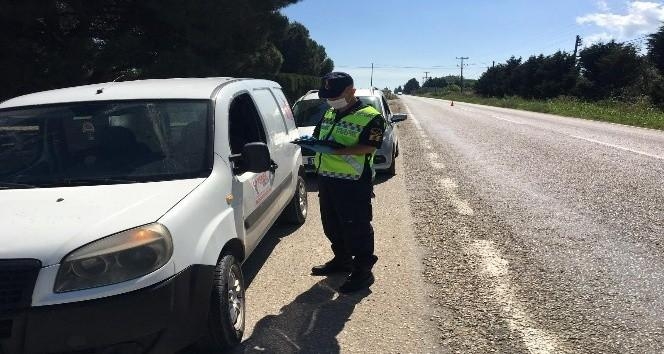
(285, 108)
(274, 120)
(244, 123)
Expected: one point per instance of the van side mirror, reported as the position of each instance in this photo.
(255, 157)
(398, 117)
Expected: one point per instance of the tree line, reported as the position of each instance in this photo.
(604, 70)
(446, 84)
(61, 43)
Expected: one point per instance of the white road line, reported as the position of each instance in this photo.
(420, 131)
(618, 147)
(509, 120)
(589, 140)
(437, 165)
(497, 268)
(412, 116)
(462, 207)
(433, 160)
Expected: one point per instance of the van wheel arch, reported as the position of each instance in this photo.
(233, 247)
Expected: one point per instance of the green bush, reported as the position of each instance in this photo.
(638, 112)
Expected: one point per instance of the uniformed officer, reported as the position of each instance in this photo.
(345, 181)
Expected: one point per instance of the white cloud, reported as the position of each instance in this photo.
(642, 17)
(603, 6)
(598, 37)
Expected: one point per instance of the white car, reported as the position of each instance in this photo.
(309, 110)
(128, 208)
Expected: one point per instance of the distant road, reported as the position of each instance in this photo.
(543, 234)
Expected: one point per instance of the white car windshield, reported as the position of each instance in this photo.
(309, 112)
(92, 143)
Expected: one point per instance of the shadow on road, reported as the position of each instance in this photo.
(255, 262)
(381, 178)
(309, 324)
(253, 265)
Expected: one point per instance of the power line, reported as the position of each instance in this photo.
(432, 67)
(462, 65)
(426, 76)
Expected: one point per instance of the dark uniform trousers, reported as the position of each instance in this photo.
(346, 214)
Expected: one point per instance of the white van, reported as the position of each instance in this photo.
(127, 209)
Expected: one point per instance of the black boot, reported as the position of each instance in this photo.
(336, 265)
(361, 277)
(357, 280)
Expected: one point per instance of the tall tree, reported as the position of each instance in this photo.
(55, 43)
(609, 68)
(500, 80)
(545, 76)
(435, 82)
(302, 55)
(411, 86)
(656, 49)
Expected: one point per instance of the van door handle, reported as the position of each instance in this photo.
(273, 166)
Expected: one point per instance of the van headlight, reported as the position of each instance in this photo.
(124, 256)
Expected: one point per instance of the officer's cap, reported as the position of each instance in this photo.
(333, 84)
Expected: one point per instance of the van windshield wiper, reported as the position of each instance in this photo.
(93, 181)
(7, 185)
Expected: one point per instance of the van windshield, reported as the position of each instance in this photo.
(92, 143)
(309, 112)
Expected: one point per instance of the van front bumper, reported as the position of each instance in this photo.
(161, 318)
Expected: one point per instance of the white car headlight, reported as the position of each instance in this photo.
(124, 256)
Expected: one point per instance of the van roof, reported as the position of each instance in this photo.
(185, 88)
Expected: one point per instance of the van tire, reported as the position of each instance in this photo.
(296, 211)
(227, 290)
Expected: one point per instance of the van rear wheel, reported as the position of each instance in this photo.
(227, 306)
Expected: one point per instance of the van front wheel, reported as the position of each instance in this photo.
(227, 306)
(296, 211)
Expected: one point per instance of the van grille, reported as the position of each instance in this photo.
(17, 281)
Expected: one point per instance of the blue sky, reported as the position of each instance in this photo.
(406, 38)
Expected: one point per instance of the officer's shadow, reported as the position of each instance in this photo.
(309, 324)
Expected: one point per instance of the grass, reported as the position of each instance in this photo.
(639, 114)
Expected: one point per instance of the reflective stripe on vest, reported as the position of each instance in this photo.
(346, 132)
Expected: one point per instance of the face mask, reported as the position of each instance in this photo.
(338, 104)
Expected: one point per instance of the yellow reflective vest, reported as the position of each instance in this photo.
(347, 132)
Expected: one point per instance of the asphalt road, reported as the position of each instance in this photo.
(290, 311)
(503, 231)
(540, 233)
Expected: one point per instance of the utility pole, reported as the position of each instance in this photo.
(577, 44)
(426, 76)
(371, 80)
(462, 65)
(493, 64)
